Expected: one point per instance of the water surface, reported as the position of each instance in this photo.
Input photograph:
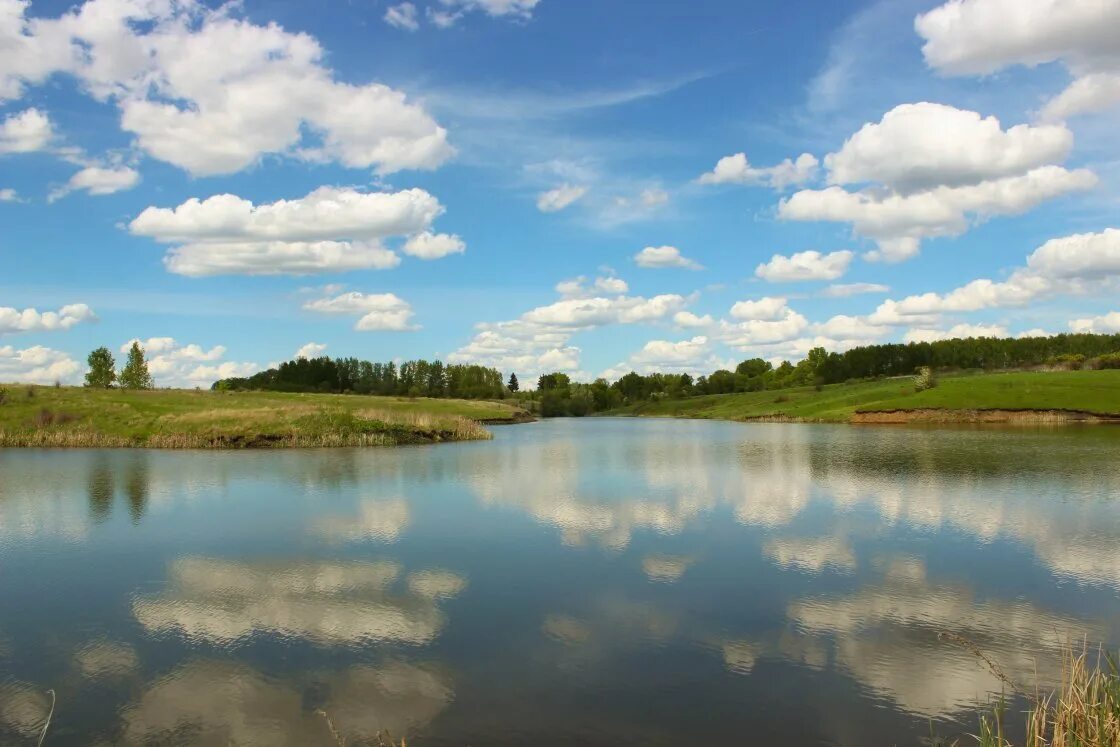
(593, 581)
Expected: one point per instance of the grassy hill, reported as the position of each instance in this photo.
(955, 398)
(72, 416)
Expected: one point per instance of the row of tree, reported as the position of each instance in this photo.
(103, 370)
(419, 378)
(558, 395)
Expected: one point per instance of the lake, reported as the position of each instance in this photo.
(601, 581)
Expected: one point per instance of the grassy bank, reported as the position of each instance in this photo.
(72, 416)
(958, 397)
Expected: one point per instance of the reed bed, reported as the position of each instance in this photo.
(1083, 711)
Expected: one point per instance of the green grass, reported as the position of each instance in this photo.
(73, 416)
(1096, 392)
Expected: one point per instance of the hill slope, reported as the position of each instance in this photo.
(955, 398)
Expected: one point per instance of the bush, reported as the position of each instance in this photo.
(924, 379)
(1109, 360)
(1072, 361)
(3, 395)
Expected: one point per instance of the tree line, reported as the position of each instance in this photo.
(418, 378)
(558, 395)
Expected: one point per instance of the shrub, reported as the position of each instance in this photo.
(781, 398)
(3, 395)
(924, 379)
(1109, 360)
(1072, 361)
(47, 417)
(31, 392)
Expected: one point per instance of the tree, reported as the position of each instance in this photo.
(513, 384)
(135, 374)
(102, 369)
(553, 381)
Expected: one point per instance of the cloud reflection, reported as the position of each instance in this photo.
(223, 601)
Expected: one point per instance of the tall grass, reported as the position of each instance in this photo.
(1083, 711)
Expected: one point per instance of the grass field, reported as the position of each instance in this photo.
(73, 416)
(1095, 392)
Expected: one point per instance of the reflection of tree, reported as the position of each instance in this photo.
(136, 485)
(100, 489)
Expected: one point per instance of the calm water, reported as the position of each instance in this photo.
(600, 581)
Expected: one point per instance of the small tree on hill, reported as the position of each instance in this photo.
(135, 374)
(924, 379)
(513, 383)
(102, 369)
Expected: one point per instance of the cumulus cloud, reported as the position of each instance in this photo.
(31, 320)
(1066, 265)
(843, 290)
(846, 327)
(962, 331)
(377, 312)
(173, 364)
(402, 16)
(688, 320)
(311, 350)
(37, 365)
(932, 171)
(1101, 325)
(331, 229)
(767, 308)
(975, 37)
(692, 356)
(736, 169)
(428, 245)
(98, 180)
(810, 265)
(557, 199)
(659, 257)
(539, 340)
(212, 93)
(26, 131)
(9, 195)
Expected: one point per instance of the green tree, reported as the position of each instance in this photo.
(553, 381)
(135, 374)
(513, 383)
(102, 369)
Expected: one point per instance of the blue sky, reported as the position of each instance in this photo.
(549, 184)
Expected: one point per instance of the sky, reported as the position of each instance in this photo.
(549, 185)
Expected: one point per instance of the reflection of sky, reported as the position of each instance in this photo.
(563, 567)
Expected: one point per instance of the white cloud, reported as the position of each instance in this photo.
(311, 350)
(557, 199)
(978, 37)
(26, 131)
(278, 258)
(658, 257)
(212, 93)
(331, 229)
(98, 180)
(402, 16)
(31, 320)
(934, 170)
(37, 365)
(9, 195)
(428, 245)
(380, 312)
(961, 331)
(846, 327)
(173, 364)
(767, 308)
(753, 332)
(577, 288)
(844, 290)
(1070, 264)
(685, 356)
(810, 265)
(1101, 325)
(585, 313)
(916, 147)
(688, 320)
(454, 10)
(736, 169)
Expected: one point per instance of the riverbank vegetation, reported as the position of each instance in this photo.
(963, 396)
(419, 378)
(863, 371)
(85, 417)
